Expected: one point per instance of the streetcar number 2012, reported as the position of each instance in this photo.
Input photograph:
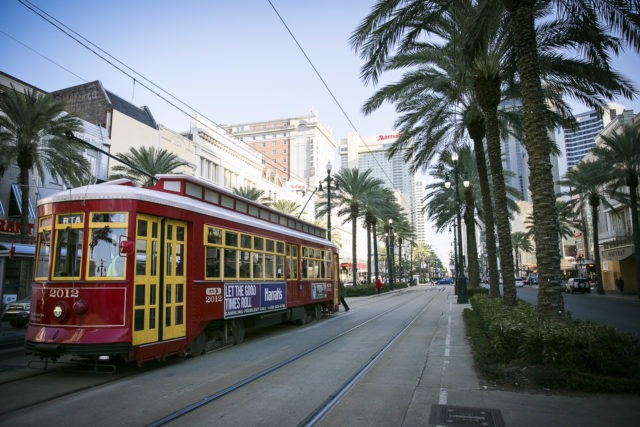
(63, 293)
(213, 298)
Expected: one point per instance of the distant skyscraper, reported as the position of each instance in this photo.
(515, 158)
(580, 140)
(370, 152)
(293, 148)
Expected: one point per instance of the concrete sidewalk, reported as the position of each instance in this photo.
(463, 399)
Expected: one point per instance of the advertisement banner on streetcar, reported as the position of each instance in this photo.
(241, 299)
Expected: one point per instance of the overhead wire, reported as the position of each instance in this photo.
(327, 87)
(102, 54)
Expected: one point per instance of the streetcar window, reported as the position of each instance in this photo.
(279, 267)
(214, 236)
(269, 266)
(292, 262)
(245, 241)
(227, 202)
(258, 243)
(142, 228)
(179, 315)
(231, 239)
(180, 259)
(257, 267)
(141, 257)
(280, 247)
(104, 260)
(245, 264)
(213, 263)
(68, 254)
(270, 245)
(105, 231)
(212, 196)
(230, 266)
(67, 257)
(44, 247)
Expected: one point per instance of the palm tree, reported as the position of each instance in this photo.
(393, 23)
(251, 193)
(288, 207)
(374, 214)
(585, 181)
(591, 22)
(430, 119)
(153, 161)
(619, 156)
(357, 189)
(520, 242)
(33, 131)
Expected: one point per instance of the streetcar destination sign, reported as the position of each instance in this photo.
(241, 299)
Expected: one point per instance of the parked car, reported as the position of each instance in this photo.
(578, 284)
(17, 312)
(445, 281)
(519, 283)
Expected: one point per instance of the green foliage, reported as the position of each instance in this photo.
(366, 290)
(566, 354)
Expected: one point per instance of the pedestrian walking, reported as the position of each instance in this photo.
(342, 300)
(379, 283)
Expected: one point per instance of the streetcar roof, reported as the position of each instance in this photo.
(119, 190)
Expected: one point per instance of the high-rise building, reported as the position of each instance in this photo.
(371, 152)
(295, 148)
(581, 139)
(515, 158)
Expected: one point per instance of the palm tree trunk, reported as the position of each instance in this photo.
(25, 265)
(596, 245)
(545, 222)
(489, 224)
(472, 244)
(354, 266)
(488, 95)
(375, 250)
(368, 252)
(635, 225)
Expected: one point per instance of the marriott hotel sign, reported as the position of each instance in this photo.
(617, 254)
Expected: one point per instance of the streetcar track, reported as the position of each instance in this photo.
(234, 387)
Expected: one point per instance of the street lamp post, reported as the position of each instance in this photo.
(461, 280)
(329, 203)
(391, 255)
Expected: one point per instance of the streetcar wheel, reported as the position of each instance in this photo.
(198, 345)
(238, 331)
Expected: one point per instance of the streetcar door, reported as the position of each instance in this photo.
(175, 270)
(146, 285)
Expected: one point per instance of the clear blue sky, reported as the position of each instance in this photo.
(233, 61)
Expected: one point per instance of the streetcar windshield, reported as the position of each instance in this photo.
(106, 229)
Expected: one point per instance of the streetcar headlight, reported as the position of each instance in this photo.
(57, 311)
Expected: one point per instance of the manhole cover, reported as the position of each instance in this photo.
(448, 415)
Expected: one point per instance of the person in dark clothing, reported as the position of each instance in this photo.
(342, 301)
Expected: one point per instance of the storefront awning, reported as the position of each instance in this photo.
(20, 249)
(347, 265)
(17, 195)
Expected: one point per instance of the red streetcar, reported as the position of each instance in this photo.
(178, 268)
